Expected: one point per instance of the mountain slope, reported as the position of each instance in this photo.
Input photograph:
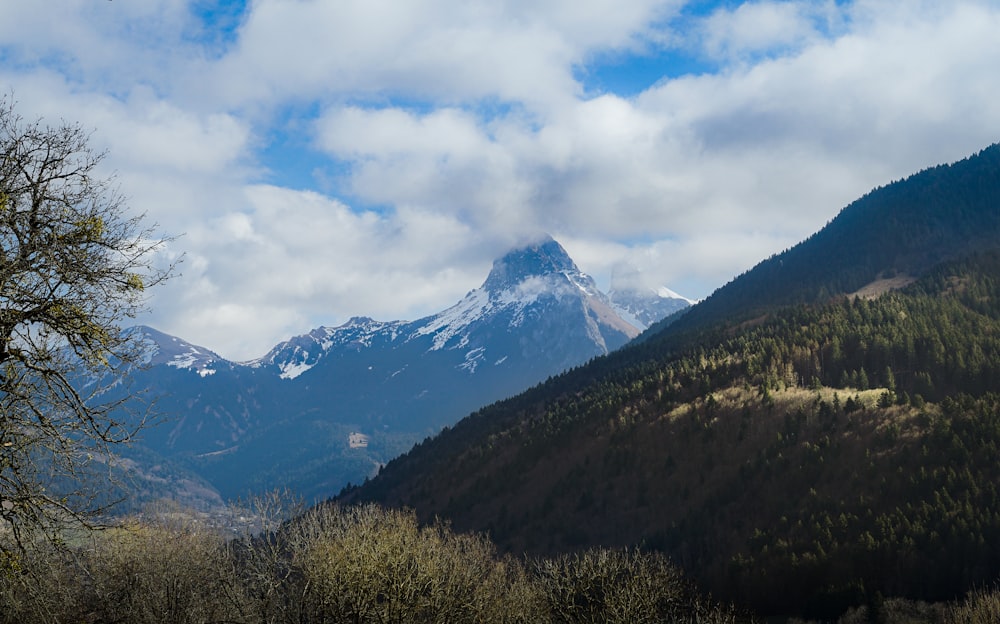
(292, 417)
(829, 448)
(902, 229)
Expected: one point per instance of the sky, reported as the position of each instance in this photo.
(322, 159)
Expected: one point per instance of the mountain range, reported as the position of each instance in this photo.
(330, 407)
(819, 433)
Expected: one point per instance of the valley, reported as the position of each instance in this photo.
(295, 418)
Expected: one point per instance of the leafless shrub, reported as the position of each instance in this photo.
(626, 586)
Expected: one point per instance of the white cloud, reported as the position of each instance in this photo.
(430, 49)
(764, 28)
(102, 46)
(449, 130)
(292, 260)
(780, 145)
(354, 132)
(176, 165)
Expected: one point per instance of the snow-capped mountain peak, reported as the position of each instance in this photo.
(521, 281)
(665, 293)
(297, 354)
(644, 306)
(636, 301)
(539, 259)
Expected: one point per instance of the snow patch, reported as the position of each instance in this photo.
(449, 328)
(666, 293)
(472, 359)
(628, 316)
(290, 370)
(449, 323)
(193, 360)
(186, 360)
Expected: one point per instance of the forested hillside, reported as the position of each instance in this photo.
(794, 458)
(902, 229)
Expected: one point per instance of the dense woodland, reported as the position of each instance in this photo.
(793, 449)
(803, 461)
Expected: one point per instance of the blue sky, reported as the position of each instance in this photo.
(322, 159)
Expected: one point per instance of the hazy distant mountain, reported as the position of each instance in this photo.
(640, 304)
(818, 433)
(644, 306)
(286, 418)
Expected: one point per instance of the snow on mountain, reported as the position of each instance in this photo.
(162, 348)
(450, 328)
(666, 293)
(301, 353)
(514, 286)
(545, 257)
(518, 286)
(284, 419)
(639, 303)
(643, 307)
(445, 326)
(298, 354)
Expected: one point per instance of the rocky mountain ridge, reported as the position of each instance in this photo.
(285, 419)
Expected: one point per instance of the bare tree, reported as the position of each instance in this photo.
(605, 585)
(73, 266)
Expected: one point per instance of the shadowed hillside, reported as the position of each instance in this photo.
(794, 449)
(905, 228)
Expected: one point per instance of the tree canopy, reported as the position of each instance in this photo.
(74, 264)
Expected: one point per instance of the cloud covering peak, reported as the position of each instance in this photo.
(331, 159)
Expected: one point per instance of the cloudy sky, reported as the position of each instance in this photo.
(322, 159)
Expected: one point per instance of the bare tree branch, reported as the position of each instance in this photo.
(73, 266)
